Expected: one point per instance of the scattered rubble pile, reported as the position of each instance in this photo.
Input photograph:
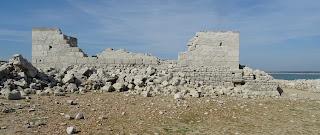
(19, 79)
(310, 85)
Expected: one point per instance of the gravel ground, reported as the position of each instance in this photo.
(118, 113)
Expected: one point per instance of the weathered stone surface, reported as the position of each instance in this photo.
(146, 94)
(108, 87)
(34, 86)
(18, 61)
(51, 48)
(79, 116)
(194, 93)
(13, 95)
(119, 87)
(71, 130)
(71, 102)
(72, 87)
(68, 78)
(178, 96)
(4, 70)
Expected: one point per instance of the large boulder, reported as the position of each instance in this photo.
(68, 78)
(13, 95)
(86, 71)
(20, 63)
(119, 87)
(150, 70)
(4, 70)
(72, 87)
(107, 87)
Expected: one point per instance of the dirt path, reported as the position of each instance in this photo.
(116, 113)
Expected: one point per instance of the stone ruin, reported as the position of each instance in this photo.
(51, 48)
(212, 59)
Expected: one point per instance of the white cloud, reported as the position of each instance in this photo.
(14, 35)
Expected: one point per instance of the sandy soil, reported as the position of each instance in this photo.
(296, 112)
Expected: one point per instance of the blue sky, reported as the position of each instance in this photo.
(275, 34)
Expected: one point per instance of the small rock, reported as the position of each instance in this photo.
(31, 110)
(79, 116)
(39, 123)
(34, 86)
(178, 96)
(8, 110)
(146, 94)
(4, 127)
(102, 117)
(68, 117)
(194, 93)
(130, 86)
(71, 130)
(71, 102)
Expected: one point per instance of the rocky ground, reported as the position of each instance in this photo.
(118, 113)
(147, 100)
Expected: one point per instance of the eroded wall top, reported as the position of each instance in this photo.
(51, 48)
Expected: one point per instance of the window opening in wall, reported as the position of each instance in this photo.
(220, 44)
(50, 47)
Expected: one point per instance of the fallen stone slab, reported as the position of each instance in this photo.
(119, 87)
(18, 61)
(14, 95)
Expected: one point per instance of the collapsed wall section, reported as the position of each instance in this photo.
(122, 57)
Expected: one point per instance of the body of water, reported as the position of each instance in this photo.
(294, 75)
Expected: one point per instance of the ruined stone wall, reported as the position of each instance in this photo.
(212, 49)
(51, 48)
(215, 76)
(212, 59)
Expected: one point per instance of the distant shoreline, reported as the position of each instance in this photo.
(295, 72)
(295, 75)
